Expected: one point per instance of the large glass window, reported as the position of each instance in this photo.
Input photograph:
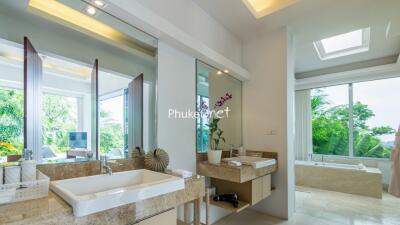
(112, 126)
(59, 122)
(202, 123)
(11, 122)
(376, 115)
(330, 120)
(364, 113)
(66, 112)
(11, 101)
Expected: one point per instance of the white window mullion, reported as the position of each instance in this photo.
(351, 122)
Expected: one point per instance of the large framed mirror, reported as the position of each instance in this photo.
(217, 91)
(96, 93)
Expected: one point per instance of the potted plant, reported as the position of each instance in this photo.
(215, 133)
(214, 154)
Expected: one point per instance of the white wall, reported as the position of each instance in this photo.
(198, 24)
(176, 90)
(268, 105)
(190, 30)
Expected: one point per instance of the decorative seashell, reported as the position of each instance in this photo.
(156, 160)
(137, 153)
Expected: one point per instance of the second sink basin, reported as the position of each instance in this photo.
(93, 194)
(255, 162)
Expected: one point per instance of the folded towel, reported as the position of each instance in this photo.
(234, 163)
(182, 173)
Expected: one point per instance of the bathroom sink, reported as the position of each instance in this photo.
(93, 194)
(255, 162)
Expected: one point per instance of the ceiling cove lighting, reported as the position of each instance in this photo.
(219, 72)
(261, 8)
(85, 22)
(350, 43)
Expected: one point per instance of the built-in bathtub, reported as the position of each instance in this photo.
(347, 178)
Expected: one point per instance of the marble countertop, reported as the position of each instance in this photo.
(54, 210)
(238, 174)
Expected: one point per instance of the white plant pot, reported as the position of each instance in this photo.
(214, 156)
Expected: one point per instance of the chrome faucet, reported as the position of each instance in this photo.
(310, 156)
(104, 167)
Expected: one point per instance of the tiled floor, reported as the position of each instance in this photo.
(319, 207)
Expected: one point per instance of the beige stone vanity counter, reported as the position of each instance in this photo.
(52, 210)
(238, 174)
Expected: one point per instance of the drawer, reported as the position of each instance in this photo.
(166, 218)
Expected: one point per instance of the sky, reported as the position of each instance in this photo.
(382, 97)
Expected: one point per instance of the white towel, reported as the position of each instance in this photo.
(182, 173)
(234, 163)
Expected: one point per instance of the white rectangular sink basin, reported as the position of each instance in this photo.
(255, 162)
(93, 194)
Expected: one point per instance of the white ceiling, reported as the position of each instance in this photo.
(312, 20)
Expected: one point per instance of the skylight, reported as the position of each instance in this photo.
(343, 44)
(261, 8)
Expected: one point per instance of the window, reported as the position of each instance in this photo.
(365, 113)
(59, 120)
(330, 120)
(66, 112)
(112, 142)
(202, 123)
(376, 104)
(11, 102)
(344, 44)
(11, 122)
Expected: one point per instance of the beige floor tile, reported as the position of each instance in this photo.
(320, 207)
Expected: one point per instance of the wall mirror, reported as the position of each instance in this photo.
(73, 92)
(217, 90)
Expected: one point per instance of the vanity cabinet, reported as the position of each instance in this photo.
(166, 218)
(251, 191)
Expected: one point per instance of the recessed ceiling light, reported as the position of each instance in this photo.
(226, 71)
(261, 8)
(91, 10)
(353, 42)
(219, 72)
(99, 3)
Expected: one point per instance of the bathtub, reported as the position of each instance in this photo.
(332, 165)
(346, 178)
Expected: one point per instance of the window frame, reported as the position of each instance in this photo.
(351, 127)
(200, 123)
(114, 94)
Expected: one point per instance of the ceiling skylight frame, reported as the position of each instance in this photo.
(261, 8)
(364, 47)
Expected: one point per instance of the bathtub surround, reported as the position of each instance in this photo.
(384, 165)
(394, 187)
(344, 178)
(12, 174)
